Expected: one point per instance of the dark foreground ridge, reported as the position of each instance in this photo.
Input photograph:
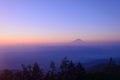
(67, 71)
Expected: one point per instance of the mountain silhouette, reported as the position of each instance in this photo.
(77, 41)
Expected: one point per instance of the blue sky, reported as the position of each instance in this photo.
(59, 20)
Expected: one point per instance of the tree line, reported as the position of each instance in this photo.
(67, 71)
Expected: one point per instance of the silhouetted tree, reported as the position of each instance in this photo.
(68, 71)
(64, 64)
(37, 73)
(47, 76)
(71, 71)
(80, 71)
(6, 75)
(52, 71)
(18, 76)
(52, 66)
(26, 73)
(64, 69)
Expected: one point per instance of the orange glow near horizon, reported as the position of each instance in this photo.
(8, 41)
(12, 41)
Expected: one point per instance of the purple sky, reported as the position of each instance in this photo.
(42, 21)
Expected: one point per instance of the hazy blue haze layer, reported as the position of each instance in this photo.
(12, 57)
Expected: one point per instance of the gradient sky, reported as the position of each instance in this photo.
(44, 21)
